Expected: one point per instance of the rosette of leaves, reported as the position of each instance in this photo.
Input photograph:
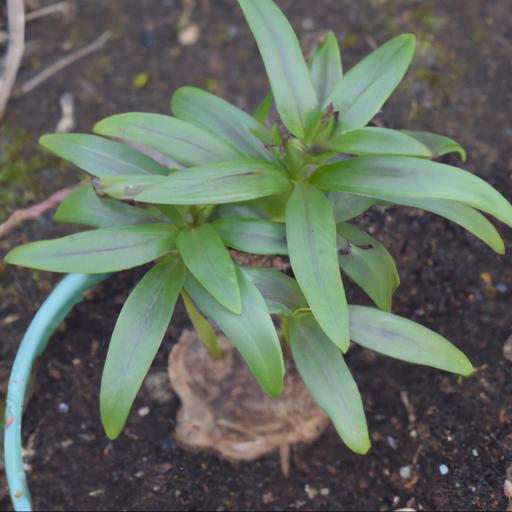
(239, 182)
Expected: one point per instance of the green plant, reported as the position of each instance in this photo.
(240, 184)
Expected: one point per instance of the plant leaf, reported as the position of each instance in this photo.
(329, 380)
(205, 256)
(311, 235)
(387, 177)
(252, 332)
(439, 145)
(362, 91)
(403, 339)
(97, 251)
(462, 215)
(221, 118)
(255, 236)
(287, 71)
(205, 331)
(218, 183)
(100, 157)
(377, 141)
(181, 141)
(262, 111)
(137, 336)
(369, 265)
(325, 67)
(84, 206)
(282, 294)
(347, 206)
(127, 187)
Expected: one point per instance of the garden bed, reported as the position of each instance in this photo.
(438, 442)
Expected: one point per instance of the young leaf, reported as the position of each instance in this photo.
(252, 332)
(362, 91)
(325, 67)
(387, 177)
(347, 206)
(311, 235)
(204, 330)
(183, 142)
(205, 256)
(439, 145)
(220, 118)
(100, 157)
(255, 236)
(282, 294)
(287, 71)
(369, 265)
(329, 380)
(377, 141)
(137, 335)
(262, 111)
(403, 339)
(84, 206)
(218, 183)
(462, 215)
(97, 251)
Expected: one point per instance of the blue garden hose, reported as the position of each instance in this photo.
(53, 311)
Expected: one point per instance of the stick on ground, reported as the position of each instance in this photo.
(37, 80)
(16, 28)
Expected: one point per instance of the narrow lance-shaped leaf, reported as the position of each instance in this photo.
(84, 206)
(137, 335)
(100, 157)
(183, 142)
(367, 262)
(377, 141)
(220, 118)
(217, 183)
(98, 250)
(208, 260)
(252, 332)
(287, 71)
(311, 235)
(439, 145)
(329, 380)
(325, 67)
(205, 331)
(262, 111)
(362, 91)
(347, 206)
(282, 294)
(403, 339)
(254, 236)
(462, 215)
(405, 177)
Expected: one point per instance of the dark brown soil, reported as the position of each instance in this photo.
(422, 422)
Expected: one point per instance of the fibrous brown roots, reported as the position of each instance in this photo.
(224, 409)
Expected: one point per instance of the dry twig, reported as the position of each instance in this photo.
(59, 7)
(16, 27)
(37, 80)
(35, 211)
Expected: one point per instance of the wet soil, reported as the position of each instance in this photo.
(439, 442)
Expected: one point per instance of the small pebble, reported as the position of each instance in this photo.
(63, 408)
(308, 23)
(392, 442)
(443, 469)
(139, 474)
(311, 491)
(325, 491)
(66, 443)
(501, 288)
(189, 35)
(76, 362)
(96, 492)
(474, 452)
(507, 349)
(144, 411)
(405, 472)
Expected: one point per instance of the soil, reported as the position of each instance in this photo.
(439, 442)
